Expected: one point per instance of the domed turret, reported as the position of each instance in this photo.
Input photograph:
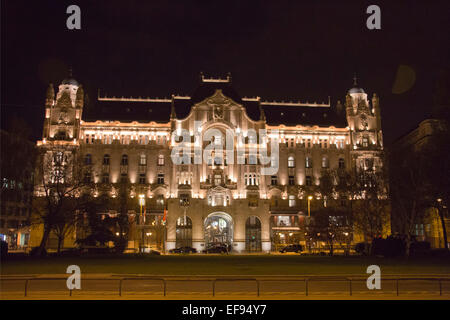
(70, 81)
(355, 88)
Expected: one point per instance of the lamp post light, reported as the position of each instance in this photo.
(309, 205)
(142, 219)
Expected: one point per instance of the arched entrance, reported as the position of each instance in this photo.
(219, 229)
(253, 234)
(184, 232)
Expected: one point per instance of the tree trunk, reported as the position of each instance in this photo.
(44, 240)
(60, 241)
(408, 245)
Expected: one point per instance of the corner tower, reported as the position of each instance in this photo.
(63, 112)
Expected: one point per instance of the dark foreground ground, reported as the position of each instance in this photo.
(224, 265)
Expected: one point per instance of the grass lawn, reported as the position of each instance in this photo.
(224, 265)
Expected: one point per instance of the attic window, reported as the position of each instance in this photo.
(128, 109)
(282, 113)
(303, 114)
(324, 115)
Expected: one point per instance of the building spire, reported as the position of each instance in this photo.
(355, 83)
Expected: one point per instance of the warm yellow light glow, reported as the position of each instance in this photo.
(141, 200)
(310, 197)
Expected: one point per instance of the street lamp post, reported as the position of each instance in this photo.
(440, 208)
(309, 206)
(142, 222)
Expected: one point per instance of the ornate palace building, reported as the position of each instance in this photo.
(218, 200)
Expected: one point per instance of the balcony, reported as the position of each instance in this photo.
(286, 209)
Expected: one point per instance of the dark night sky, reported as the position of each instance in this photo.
(277, 50)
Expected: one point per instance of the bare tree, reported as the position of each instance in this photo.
(60, 179)
(408, 184)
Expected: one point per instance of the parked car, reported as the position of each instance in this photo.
(183, 250)
(219, 248)
(297, 248)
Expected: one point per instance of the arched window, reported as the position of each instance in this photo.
(88, 159)
(106, 160)
(291, 162)
(124, 160)
(324, 162)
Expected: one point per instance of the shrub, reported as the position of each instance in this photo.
(4, 249)
(34, 250)
(420, 248)
(362, 248)
(389, 247)
(120, 245)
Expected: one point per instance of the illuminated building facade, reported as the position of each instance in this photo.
(131, 139)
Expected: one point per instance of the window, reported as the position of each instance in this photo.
(291, 200)
(308, 143)
(160, 160)
(273, 180)
(90, 138)
(291, 180)
(143, 160)
(283, 221)
(308, 162)
(143, 139)
(124, 161)
(106, 160)
(88, 159)
(291, 162)
(142, 178)
(365, 142)
(105, 177)
(217, 160)
(107, 139)
(252, 159)
(341, 163)
(308, 181)
(160, 178)
(87, 176)
(160, 200)
(324, 162)
(125, 139)
(217, 179)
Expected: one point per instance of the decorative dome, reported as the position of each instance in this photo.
(70, 81)
(355, 88)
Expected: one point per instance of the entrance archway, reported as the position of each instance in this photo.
(253, 234)
(184, 232)
(219, 229)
